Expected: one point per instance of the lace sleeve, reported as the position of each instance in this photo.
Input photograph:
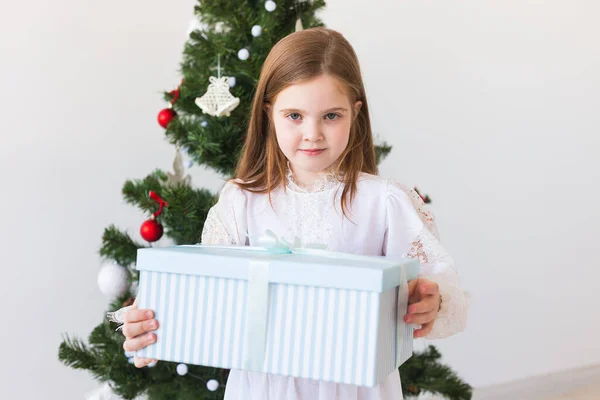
(214, 231)
(118, 316)
(438, 266)
(226, 222)
(412, 232)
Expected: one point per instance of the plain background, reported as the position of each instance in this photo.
(492, 108)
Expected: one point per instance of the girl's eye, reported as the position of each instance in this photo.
(331, 116)
(294, 116)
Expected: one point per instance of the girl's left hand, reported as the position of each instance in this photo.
(424, 304)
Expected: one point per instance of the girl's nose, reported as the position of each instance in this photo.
(312, 133)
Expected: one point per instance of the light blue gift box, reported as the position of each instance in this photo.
(306, 313)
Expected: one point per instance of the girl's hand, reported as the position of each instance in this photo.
(424, 304)
(137, 329)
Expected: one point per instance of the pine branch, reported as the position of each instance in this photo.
(75, 354)
(136, 192)
(423, 373)
(119, 246)
(186, 213)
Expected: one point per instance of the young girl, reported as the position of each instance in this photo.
(308, 170)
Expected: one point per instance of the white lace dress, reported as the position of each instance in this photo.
(385, 219)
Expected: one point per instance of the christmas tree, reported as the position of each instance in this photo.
(225, 53)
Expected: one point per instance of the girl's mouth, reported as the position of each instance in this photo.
(312, 152)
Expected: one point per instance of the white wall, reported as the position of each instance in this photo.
(491, 108)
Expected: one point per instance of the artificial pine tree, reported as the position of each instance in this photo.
(209, 124)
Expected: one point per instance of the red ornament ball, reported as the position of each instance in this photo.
(151, 230)
(165, 116)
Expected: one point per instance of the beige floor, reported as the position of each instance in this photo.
(576, 384)
(589, 393)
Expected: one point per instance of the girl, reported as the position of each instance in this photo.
(308, 170)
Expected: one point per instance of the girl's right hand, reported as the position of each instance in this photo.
(137, 328)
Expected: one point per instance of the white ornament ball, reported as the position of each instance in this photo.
(243, 54)
(113, 280)
(270, 5)
(256, 30)
(231, 81)
(212, 385)
(182, 369)
(204, 123)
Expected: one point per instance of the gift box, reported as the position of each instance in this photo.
(306, 313)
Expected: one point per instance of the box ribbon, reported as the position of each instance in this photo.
(257, 306)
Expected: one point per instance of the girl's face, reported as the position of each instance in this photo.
(312, 122)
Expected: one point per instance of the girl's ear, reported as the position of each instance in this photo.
(267, 107)
(357, 107)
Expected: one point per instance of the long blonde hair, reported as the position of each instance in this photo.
(298, 57)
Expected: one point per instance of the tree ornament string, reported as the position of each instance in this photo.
(161, 203)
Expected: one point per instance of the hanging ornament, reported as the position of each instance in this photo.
(299, 26)
(270, 5)
(217, 101)
(166, 115)
(231, 81)
(113, 280)
(178, 178)
(182, 369)
(151, 230)
(212, 385)
(243, 54)
(204, 124)
(256, 30)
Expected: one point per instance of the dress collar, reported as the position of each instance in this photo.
(327, 180)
